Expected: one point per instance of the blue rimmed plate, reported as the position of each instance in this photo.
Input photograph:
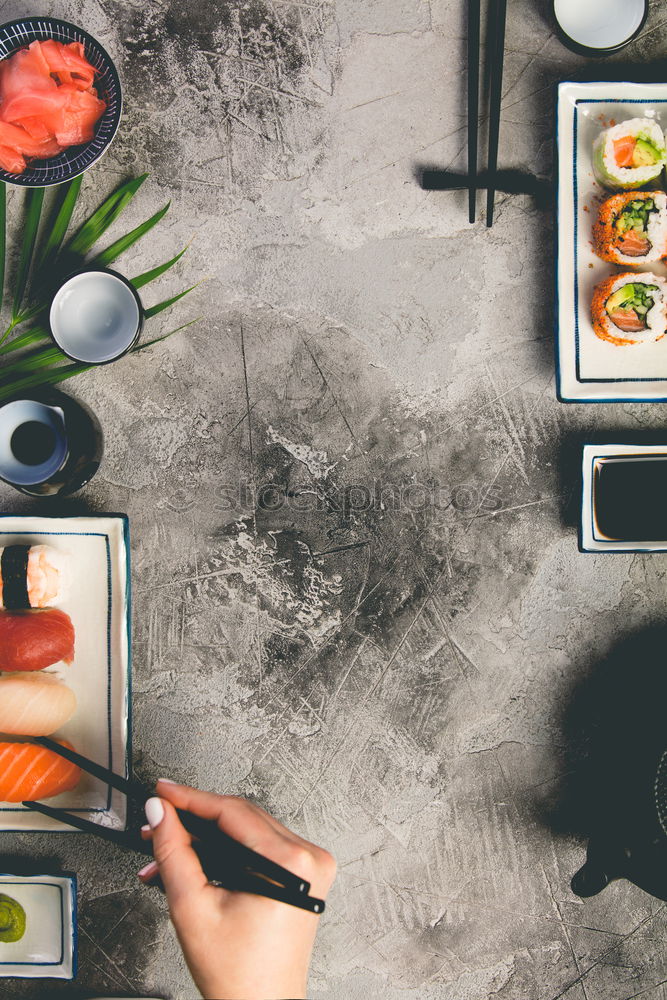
(47, 950)
(98, 600)
(591, 370)
(73, 161)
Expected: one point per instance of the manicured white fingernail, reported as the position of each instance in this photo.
(154, 812)
(146, 829)
(149, 869)
(166, 781)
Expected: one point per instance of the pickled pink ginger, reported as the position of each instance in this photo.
(47, 102)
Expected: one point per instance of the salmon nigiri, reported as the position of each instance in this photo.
(29, 772)
(34, 639)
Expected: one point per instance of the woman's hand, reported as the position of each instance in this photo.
(237, 946)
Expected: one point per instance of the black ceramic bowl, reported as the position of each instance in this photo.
(599, 27)
(73, 161)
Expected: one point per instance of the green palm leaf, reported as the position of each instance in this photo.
(34, 202)
(37, 359)
(98, 223)
(154, 310)
(34, 359)
(109, 255)
(42, 378)
(59, 374)
(59, 224)
(156, 272)
(31, 336)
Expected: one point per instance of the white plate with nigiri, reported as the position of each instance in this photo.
(589, 367)
(64, 664)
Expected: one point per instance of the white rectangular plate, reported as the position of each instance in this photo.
(589, 369)
(589, 538)
(98, 602)
(47, 950)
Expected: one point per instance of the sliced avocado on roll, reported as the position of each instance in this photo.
(636, 296)
(646, 153)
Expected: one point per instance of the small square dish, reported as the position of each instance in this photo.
(47, 948)
(95, 553)
(613, 476)
(591, 369)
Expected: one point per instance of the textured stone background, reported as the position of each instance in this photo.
(403, 683)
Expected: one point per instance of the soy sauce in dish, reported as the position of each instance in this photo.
(630, 498)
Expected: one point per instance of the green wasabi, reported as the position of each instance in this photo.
(12, 920)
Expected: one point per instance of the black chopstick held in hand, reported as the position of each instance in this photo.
(216, 866)
(497, 59)
(207, 831)
(473, 103)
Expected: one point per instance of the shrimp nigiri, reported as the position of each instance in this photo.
(34, 639)
(29, 772)
(32, 576)
(34, 704)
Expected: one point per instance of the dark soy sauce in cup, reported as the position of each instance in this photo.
(32, 442)
(630, 498)
(49, 444)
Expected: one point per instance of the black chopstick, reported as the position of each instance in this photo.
(206, 830)
(497, 58)
(473, 103)
(133, 789)
(212, 861)
(120, 837)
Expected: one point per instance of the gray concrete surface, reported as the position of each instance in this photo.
(393, 681)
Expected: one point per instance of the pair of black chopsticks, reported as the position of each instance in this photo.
(224, 860)
(497, 55)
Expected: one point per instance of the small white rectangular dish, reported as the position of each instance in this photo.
(590, 369)
(591, 539)
(98, 602)
(47, 949)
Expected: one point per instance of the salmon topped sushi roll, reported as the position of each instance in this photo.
(631, 228)
(630, 309)
(629, 155)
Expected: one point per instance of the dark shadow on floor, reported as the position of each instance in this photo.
(614, 732)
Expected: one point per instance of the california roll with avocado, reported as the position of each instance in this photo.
(630, 309)
(631, 228)
(629, 155)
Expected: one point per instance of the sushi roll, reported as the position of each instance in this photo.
(629, 155)
(31, 576)
(32, 640)
(631, 228)
(630, 309)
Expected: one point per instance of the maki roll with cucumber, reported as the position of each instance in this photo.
(630, 309)
(631, 228)
(629, 155)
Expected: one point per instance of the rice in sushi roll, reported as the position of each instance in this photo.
(631, 228)
(630, 309)
(629, 155)
(31, 576)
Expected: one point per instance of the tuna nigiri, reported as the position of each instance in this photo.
(34, 704)
(34, 639)
(29, 772)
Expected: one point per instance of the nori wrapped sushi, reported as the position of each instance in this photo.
(629, 155)
(32, 576)
(630, 309)
(631, 228)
